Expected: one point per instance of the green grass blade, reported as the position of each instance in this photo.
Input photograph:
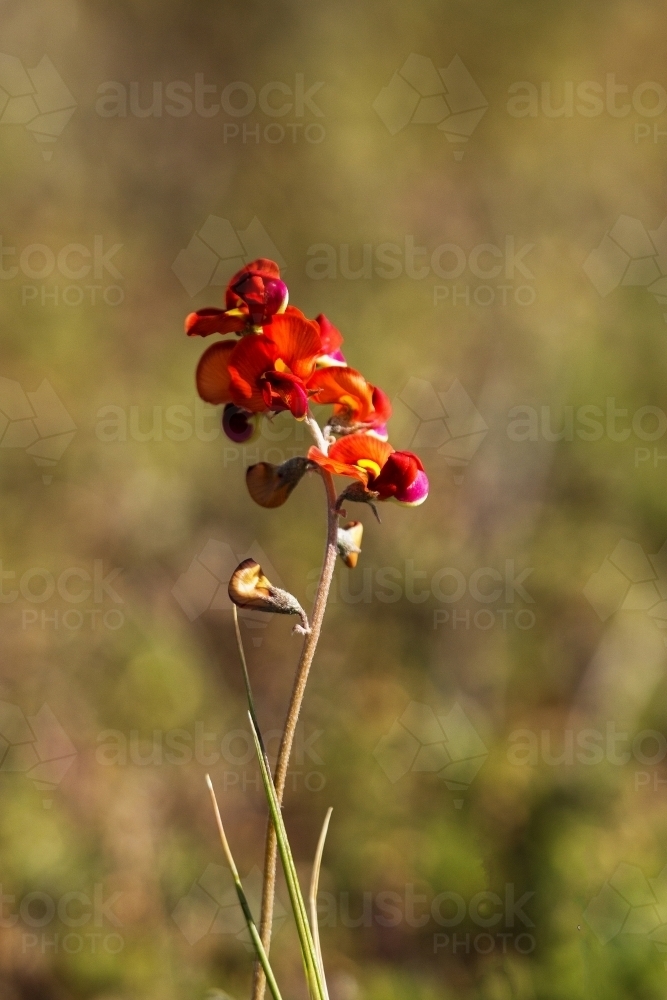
(252, 927)
(296, 898)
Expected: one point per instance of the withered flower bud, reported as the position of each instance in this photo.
(358, 492)
(349, 542)
(270, 485)
(249, 588)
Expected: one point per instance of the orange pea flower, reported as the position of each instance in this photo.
(357, 405)
(266, 371)
(253, 296)
(389, 474)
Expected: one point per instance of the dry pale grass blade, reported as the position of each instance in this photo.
(312, 895)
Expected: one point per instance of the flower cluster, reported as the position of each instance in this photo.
(273, 358)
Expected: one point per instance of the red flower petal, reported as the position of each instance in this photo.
(330, 336)
(347, 389)
(297, 342)
(262, 267)
(283, 391)
(398, 474)
(207, 321)
(253, 356)
(213, 376)
(337, 468)
(356, 447)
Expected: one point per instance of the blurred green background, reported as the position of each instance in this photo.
(486, 712)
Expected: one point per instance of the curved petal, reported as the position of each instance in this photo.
(270, 485)
(347, 389)
(356, 447)
(253, 357)
(297, 342)
(336, 467)
(330, 336)
(381, 406)
(213, 375)
(415, 494)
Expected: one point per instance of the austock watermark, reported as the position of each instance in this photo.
(446, 586)
(36, 98)
(587, 746)
(211, 906)
(36, 422)
(217, 250)
(231, 753)
(629, 580)
(592, 422)
(630, 256)
(274, 113)
(592, 99)
(630, 904)
(204, 584)
(486, 921)
(69, 274)
(443, 742)
(466, 272)
(183, 422)
(63, 591)
(501, 922)
(72, 923)
(420, 94)
(35, 746)
(437, 422)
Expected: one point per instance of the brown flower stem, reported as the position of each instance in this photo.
(280, 776)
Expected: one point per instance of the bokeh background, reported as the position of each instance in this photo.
(487, 708)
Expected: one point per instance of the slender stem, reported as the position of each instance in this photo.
(307, 654)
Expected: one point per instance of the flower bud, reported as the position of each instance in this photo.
(239, 425)
(270, 485)
(259, 288)
(349, 542)
(249, 588)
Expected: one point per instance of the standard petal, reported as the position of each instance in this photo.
(357, 447)
(336, 467)
(297, 342)
(213, 376)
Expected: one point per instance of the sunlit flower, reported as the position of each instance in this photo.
(267, 371)
(254, 295)
(388, 474)
(357, 405)
(249, 588)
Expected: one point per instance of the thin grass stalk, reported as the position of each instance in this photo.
(312, 895)
(252, 927)
(296, 897)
